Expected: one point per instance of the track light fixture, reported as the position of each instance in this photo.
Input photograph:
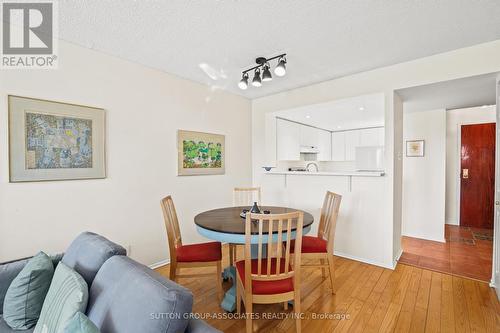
(280, 70)
(256, 82)
(243, 84)
(266, 74)
(264, 67)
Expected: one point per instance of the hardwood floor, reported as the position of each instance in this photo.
(468, 252)
(368, 299)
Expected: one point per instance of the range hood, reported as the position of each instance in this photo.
(309, 150)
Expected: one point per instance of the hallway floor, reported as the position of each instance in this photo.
(467, 252)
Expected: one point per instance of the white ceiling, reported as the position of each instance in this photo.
(324, 39)
(339, 115)
(455, 94)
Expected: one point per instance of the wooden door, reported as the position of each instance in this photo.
(477, 175)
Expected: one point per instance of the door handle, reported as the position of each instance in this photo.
(465, 173)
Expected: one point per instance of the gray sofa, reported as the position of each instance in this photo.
(124, 296)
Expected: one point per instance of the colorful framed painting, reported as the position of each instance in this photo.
(415, 148)
(55, 141)
(200, 153)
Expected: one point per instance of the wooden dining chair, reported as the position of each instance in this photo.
(243, 196)
(270, 279)
(320, 247)
(246, 196)
(188, 256)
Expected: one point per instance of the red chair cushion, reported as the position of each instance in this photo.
(199, 252)
(266, 287)
(311, 244)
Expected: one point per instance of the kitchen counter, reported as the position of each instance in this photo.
(329, 173)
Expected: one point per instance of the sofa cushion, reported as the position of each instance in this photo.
(9, 270)
(80, 323)
(4, 328)
(24, 298)
(68, 294)
(128, 297)
(88, 252)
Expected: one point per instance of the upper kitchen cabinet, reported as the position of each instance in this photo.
(372, 137)
(287, 140)
(352, 140)
(344, 143)
(338, 146)
(324, 145)
(309, 136)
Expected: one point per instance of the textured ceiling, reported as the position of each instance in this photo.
(344, 114)
(324, 39)
(454, 94)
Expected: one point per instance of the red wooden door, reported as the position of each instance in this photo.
(477, 175)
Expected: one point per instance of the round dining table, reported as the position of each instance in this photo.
(227, 226)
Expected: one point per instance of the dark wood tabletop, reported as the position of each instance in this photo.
(228, 219)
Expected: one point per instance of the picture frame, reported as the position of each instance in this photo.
(200, 153)
(415, 148)
(51, 140)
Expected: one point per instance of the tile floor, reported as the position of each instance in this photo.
(467, 252)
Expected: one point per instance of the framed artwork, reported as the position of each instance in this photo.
(55, 141)
(415, 148)
(200, 153)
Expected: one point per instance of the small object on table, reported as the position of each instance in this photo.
(267, 212)
(267, 168)
(255, 209)
(243, 213)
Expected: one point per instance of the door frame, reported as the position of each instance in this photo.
(459, 163)
(495, 271)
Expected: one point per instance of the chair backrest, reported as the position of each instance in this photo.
(328, 218)
(279, 234)
(246, 196)
(172, 226)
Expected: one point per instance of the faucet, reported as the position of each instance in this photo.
(312, 163)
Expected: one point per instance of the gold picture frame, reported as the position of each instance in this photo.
(200, 153)
(51, 140)
(415, 148)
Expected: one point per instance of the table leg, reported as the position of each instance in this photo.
(229, 301)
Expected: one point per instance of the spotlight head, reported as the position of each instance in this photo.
(266, 74)
(280, 69)
(257, 82)
(243, 84)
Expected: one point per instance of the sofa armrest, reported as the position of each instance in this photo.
(199, 326)
(8, 271)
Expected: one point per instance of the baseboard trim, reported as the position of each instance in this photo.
(159, 264)
(440, 240)
(451, 222)
(366, 261)
(395, 261)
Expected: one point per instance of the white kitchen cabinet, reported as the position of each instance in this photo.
(309, 136)
(372, 137)
(338, 146)
(287, 140)
(352, 140)
(324, 145)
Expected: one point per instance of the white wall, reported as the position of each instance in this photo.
(454, 119)
(144, 109)
(476, 60)
(424, 177)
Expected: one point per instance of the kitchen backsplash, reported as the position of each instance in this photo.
(323, 166)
